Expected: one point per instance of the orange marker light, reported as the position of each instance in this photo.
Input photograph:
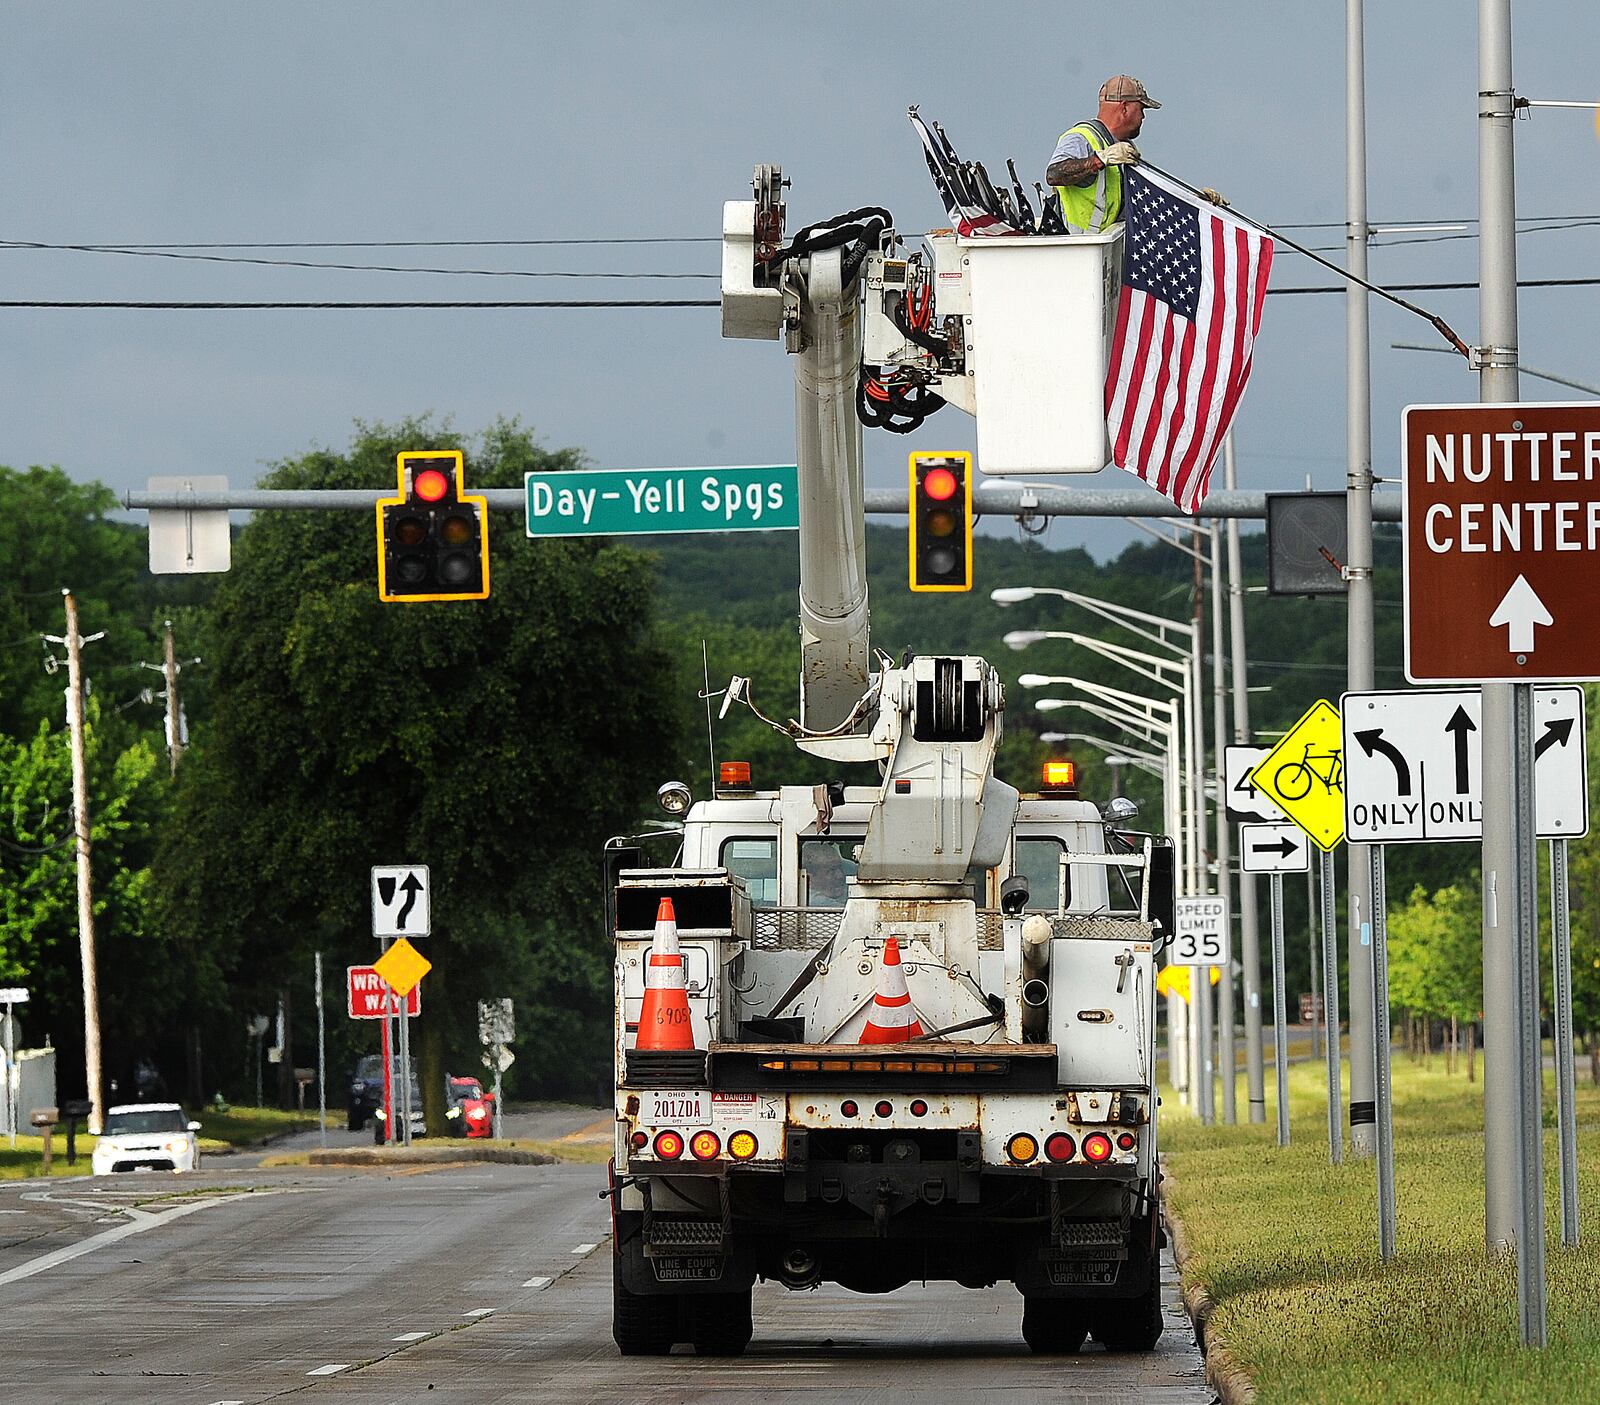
(742, 1146)
(1060, 773)
(734, 773)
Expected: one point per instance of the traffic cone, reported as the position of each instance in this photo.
(890, 1018)
(664, 1016)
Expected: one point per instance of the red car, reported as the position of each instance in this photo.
(471, 1110)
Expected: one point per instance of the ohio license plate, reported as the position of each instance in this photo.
(674, 1108)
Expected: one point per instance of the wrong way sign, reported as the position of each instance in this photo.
(368, 996)
(1413, 765)
(1501, 525)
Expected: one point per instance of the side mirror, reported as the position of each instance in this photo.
(1014, 895)
(1119, 810)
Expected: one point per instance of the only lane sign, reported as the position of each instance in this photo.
(1274, 848)
(1501, 525)
(1414, 765)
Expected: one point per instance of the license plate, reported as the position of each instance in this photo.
(1099, 1272)
(674, 1108)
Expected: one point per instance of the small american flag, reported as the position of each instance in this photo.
(1193, 281)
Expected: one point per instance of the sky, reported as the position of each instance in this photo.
(201, 122)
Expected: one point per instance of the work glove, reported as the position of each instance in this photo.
(1217, 198)
(1122, 153)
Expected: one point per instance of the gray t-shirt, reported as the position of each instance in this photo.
(1074, 146)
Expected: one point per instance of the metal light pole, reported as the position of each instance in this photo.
(1219, 728)
(1358, 554)
(1249, 938)
(1513, 1151)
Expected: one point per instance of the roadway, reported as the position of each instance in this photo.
(453, 1284)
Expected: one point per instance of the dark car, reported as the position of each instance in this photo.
(366, 1089)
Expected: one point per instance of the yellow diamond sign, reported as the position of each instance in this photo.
(1304, 774)
(1174, 980)
(402, 966)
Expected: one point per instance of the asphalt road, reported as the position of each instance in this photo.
(456, 1284)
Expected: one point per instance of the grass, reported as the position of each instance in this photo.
(219, 1132)
(1287, 1245)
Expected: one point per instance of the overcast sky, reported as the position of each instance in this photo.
(187, 122)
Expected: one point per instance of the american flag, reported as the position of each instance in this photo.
(1193, 281)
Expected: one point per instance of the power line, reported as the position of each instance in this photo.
(389, 243)
(337, 306)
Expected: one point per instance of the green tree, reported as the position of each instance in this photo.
(498, 742)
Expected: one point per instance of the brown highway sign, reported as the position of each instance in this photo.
(1501, 523)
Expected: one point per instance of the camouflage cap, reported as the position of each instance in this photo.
(1126, 88)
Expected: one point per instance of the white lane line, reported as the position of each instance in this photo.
(411, 1337)
(331, 1370)
(479, 1312)
(142, 1220)
(585, 1248)
(538, 1283)
(227, 1402)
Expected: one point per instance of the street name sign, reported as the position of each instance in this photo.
(1304, 775)
(1414, 765)
(1501, 526)
(1246, 801)
(13, 995)
(368, 997)
(400, 900)
(607, 502)
(402, 966)
(1202, 935)
(1274, 848)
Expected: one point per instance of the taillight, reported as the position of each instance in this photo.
(742, 1146)
(884, 1109)
(1022, 1148)
(919, 1108)
(669, 1146)
(705, 1146)
(1097, 1146)
(1127, 1141)
(848, 1107)
(1060, 1147)
(640, 1138)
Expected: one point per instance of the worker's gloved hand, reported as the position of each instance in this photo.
(1217, 198)
(1122, 153)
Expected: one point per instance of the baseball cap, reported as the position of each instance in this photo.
(1125, 88)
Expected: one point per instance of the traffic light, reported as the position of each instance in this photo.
(433, 540)
(941, 521)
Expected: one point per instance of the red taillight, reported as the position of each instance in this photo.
(430, 485)
(1127, 1141)
(1060, 1147)
(919, 1108)
(640, 1138)
(884, 1109)
(848, 1108)
(1097, 1146)
(705, 1146)
(669, 1146)
(940, 484)
(734, 774)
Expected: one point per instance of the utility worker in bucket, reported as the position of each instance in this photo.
(1085, 167)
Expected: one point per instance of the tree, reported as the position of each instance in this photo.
(499, 742)
(1436, 954)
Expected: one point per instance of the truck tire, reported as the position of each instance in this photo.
(1133, 1324)
(1053, 1326)
(642, 1325)
(720, 1324)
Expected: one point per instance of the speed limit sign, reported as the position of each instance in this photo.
(1202, 935)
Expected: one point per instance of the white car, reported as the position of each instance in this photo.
(153, 1136)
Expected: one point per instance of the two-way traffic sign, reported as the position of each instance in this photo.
(1246, 801)
(1413, 765)
(1501, 525)
(400, 900)
(1274, 848)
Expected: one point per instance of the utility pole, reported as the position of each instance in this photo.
(1249, 938)
(80, 827)
(1512, 1074)
(1219, 729)
(170, 669)
(1358, 571)
(1200, 978)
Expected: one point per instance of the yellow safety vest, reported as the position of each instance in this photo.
(1090, 209)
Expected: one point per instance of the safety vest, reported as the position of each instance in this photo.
(1089, 209)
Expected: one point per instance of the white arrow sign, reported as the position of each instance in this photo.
(1274, 848)
(1413, 765)
(1518, 611)
(400, 900)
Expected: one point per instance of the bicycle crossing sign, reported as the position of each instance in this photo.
(1304, 775)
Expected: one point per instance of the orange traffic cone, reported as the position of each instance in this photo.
(664, 1016)
(890, 1018)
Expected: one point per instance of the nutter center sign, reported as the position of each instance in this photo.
(1502, 542)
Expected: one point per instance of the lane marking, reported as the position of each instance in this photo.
(227, 1402)
(538, 1283)
(479, 1312)
(411, 1337)
(585, 1248)
(141, 1221)
(331, 1370)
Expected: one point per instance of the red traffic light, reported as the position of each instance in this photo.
(940, 484)
(430, 485)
